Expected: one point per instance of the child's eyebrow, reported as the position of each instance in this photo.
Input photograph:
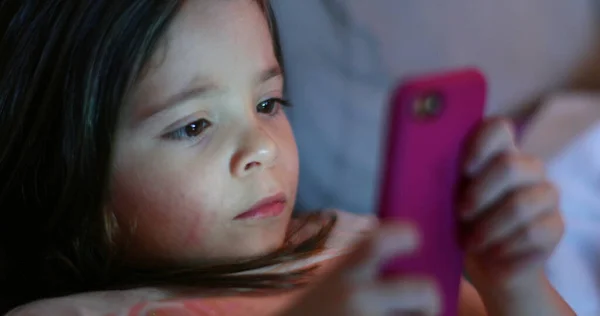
(272, 72)
(196, 89)
(199, 87)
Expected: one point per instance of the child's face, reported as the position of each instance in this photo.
(198, 145)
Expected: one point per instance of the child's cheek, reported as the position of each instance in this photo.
(196, 229)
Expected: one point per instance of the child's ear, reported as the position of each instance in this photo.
(110, 226)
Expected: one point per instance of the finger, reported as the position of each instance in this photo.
(506, 268)
(396, 297)
(495, 136)
(387, 242)
(502, 175)
(541, 238)
(513, 213)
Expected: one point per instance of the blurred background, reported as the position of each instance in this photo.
(343, 56)
(542, 62)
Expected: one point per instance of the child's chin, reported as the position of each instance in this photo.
(260, 247)
(242, 243)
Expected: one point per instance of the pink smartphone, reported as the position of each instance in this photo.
(430, 120)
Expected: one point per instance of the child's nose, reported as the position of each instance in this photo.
(257, 151)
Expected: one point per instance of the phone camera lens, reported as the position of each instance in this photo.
(428, 106)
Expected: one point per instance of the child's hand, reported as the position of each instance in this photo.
(510, 211)
(354, 289)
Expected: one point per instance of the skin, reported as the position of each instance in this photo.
(180, 192)
(511, 225)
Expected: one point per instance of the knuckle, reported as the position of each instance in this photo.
(513, 164)
(545, 233)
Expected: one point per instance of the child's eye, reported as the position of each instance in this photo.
(271, 106)
(191, 130)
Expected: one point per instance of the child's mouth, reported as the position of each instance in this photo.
(269, 207)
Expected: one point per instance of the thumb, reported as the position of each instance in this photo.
(389, 240)
(359, 267)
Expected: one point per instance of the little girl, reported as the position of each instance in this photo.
(148, 168)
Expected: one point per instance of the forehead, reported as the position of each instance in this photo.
(223, 40)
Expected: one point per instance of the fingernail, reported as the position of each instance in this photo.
(404, 239)
(435, 307)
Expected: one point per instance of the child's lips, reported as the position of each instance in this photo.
(269, 207)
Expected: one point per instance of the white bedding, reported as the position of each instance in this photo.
(566, 133)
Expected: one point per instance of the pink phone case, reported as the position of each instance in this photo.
(422, 172)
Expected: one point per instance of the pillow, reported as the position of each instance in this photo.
(342, 58)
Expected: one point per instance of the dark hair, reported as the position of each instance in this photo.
(65, 68)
